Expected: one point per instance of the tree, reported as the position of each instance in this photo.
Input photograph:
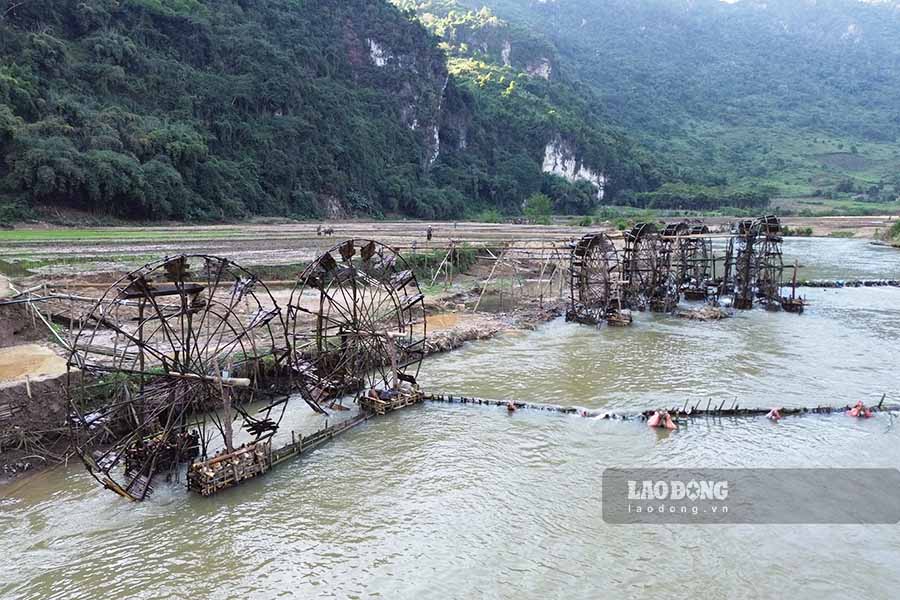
(538, 208)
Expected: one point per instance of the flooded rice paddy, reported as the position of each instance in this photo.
(459, 502)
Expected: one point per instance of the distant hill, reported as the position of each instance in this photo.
(221, 109)
(799, 95)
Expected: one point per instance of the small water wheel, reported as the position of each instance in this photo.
(164, 365)
(593, 279)
(356, 321)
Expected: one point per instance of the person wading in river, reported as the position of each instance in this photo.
(860, 411)
(662, 419)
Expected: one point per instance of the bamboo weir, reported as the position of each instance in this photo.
(226, 471)
(685, 412)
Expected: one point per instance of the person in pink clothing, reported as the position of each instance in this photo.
(662, 419)
(860, 410)
(774, 414)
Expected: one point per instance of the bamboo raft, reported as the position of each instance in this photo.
(684, 413)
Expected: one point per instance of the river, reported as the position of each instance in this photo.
(459, 501)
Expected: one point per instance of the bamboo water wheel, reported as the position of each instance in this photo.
(356, 321)
(594, 278)
(693, 261)
(647, 270)
(740, 264)
(770, 262)
(754, 263)
(166, 367)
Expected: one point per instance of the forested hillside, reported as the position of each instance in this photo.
(554, 134)
(799, 95)
(220, 109)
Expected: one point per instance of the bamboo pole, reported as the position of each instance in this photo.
(487, 281)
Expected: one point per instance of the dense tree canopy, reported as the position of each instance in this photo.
(216, 109)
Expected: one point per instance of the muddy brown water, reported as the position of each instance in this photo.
(460, 502)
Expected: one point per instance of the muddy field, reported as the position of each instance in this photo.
(89, 252)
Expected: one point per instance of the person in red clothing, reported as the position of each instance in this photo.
(662, 419)
(860, 410)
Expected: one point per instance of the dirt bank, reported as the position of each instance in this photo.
(449, 331)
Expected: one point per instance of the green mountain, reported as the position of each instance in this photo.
(212, 109)
(544, 131)
(799, 95)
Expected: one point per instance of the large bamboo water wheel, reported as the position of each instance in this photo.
(166, 366)
(356, 321)
(770, 262)
(740, 264)
(647, 270)
(594, 278)
(692, 261)
(754, 263)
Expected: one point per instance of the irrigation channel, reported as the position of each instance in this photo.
(443, 500)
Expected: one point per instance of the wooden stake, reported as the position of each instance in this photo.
(488, 280)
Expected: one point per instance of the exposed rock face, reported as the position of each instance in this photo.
(560, 159)
(377, 54)
(540, 68)
(435, 145)
(333, 209)
(414, 74)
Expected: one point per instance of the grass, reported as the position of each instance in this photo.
(796, 231)
(823, 207)
(795, 163)
(288, 272)
(113, 234)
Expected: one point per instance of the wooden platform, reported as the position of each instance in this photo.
(400, 399)
(227, 470)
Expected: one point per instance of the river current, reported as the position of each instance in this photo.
(446, 501)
